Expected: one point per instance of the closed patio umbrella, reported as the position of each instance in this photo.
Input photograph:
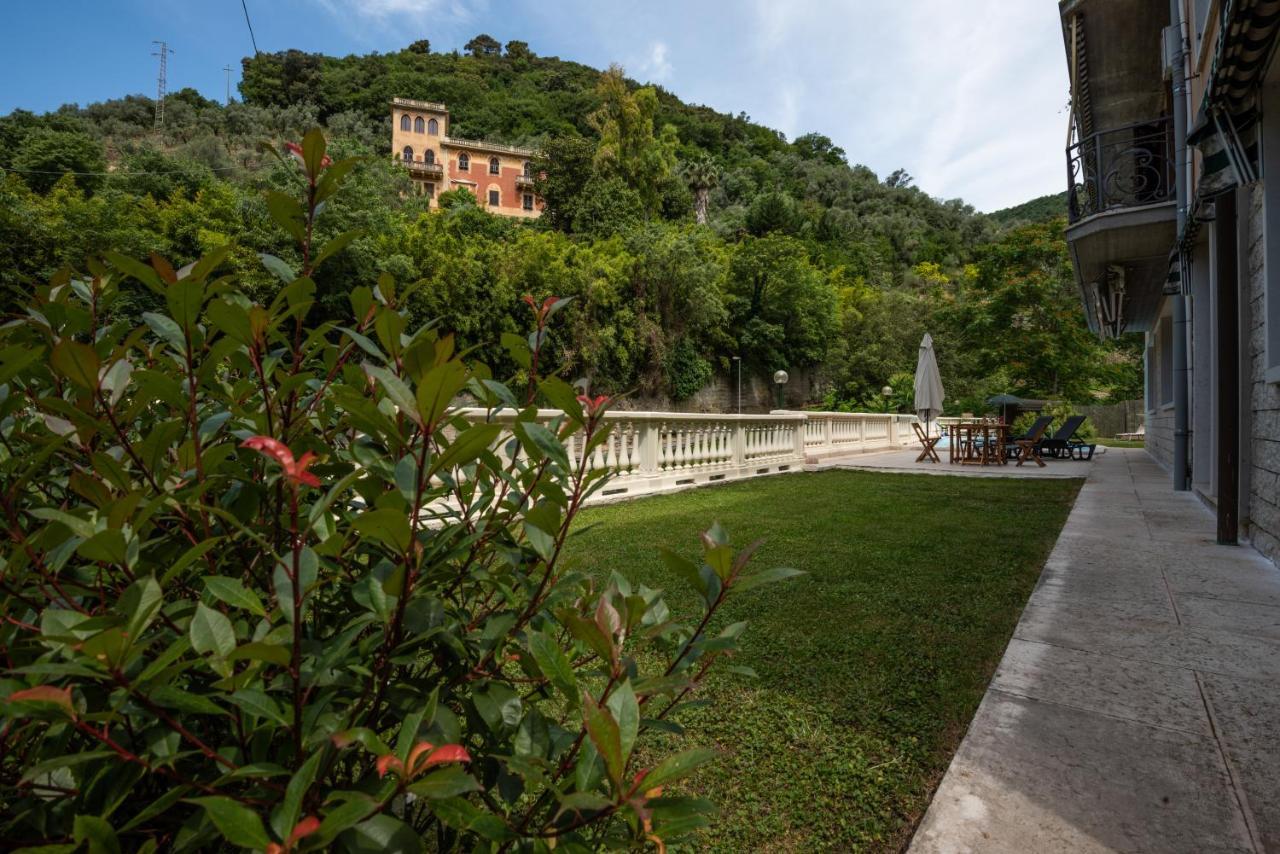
(929, 393)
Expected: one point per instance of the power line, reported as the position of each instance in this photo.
(116, 174)
(249, 23)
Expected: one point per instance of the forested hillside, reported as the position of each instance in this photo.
(685, 235)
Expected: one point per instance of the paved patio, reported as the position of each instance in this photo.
(1136, 706)
(905, 462)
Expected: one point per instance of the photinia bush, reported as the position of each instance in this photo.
(265, 586)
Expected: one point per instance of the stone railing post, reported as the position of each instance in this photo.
(893, 430)
(650, 435)
(828, 424)
(801, 429)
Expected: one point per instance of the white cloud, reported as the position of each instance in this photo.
(656, 66)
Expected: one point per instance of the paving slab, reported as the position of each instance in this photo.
(1135, 707)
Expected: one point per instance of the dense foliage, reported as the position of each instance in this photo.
(265, 587)
(688, 236)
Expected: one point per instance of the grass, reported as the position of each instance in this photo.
(871, 665)
(1120, 443)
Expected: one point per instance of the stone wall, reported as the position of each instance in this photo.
(721, 396)
(1159, 438)
(1263, 398)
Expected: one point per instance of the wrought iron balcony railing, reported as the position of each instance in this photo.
(1121, 167)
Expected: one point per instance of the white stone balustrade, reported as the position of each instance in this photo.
(651, 452)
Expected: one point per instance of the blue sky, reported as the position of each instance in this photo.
(970, 98)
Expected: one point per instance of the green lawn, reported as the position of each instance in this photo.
(871, 666)
(1119, 443)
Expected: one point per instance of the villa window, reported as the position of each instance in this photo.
(431, 190)
(1149, 364)
(495, 166)
(404, 122)
(464, 162)
(528, 169)
(430, 156)
(528, 201)
(418, 125)
(408, 154)
(495, 198)
(433, 127)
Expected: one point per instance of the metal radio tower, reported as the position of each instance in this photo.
(162, 84)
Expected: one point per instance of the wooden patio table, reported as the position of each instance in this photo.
(979, 443)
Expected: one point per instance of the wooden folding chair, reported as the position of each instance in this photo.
(928, 442)
(1029, 445)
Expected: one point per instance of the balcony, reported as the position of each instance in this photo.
(1121, 200)
(1125, 167)
(423, 169)
(524, 182)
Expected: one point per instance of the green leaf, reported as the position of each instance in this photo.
(287, 213)
(105, 546)
(764, 576)
(396, 390)
(466, 446)
(388, 526)
(282, 270)
(96, 834)
(140, 604)
(445, 783)
(461, 814)
(543, 441)
(677, 766)
(562, 396)
(686, 570)
(237, 823)
(234, 593)
(184, 298)
(68, 761)
(603, 730)
(258, 703)
(211, 631)
(583, 802)
(138, 270)
(230, 319)
(438, 388)
(518, 349)
(76, 362)
(389, 326)
(554, 664)
(313, 146)
(286, 815)
(166, 329)
(259, 651)
(184, 701)
(625, 709)
(381, 834)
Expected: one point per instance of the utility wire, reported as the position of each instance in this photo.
(244, 6)
(118, 174)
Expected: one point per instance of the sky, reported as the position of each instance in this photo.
(970, 98)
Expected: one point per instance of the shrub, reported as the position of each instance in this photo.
(264, 587)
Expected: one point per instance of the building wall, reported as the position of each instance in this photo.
(480, 181)
(1262, 397)
(1158, 391)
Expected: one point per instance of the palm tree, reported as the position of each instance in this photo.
(701, 175)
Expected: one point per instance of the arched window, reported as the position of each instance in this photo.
(433, 127)
(429, 156)
(495, 166)
(408, 154)
(528, 169)
(464, 162)
(404, 122)
(418, 124)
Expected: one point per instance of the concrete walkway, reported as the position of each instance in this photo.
(1137, 707)
(904, 462)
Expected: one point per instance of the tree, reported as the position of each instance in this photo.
(518, 50)
(45, 155)
(782, 308)
(628, 148)
(483, 45)
(702, 175)
(421, 46)
(899, 178)
(815, 146)
(562, 170)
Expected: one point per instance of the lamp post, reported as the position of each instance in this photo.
(780, 379)
(887, 391)
(738, 359)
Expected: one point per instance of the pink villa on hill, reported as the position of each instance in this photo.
(499, 176)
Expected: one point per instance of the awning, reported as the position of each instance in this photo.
(1226, 125)
(1245, 42)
